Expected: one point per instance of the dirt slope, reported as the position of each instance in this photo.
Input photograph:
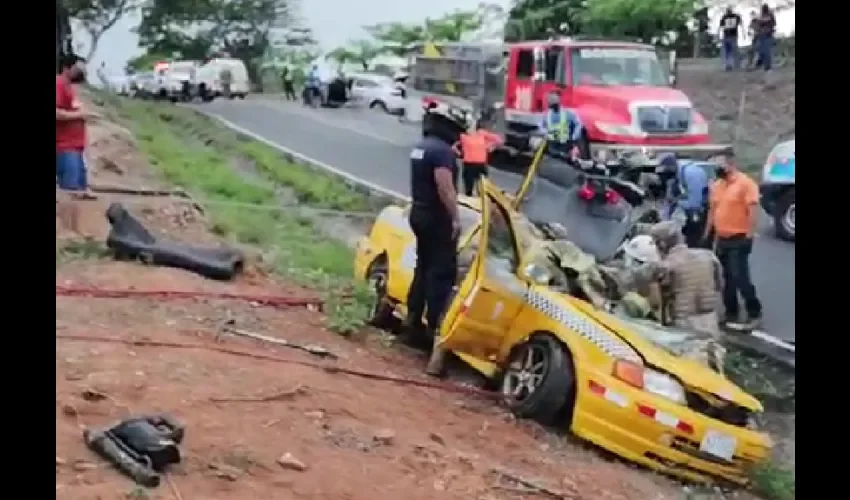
(768, 114)
(277, 429)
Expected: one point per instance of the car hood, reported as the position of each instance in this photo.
(628, 93)
(665, 349)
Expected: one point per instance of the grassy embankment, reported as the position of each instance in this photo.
(203, 157)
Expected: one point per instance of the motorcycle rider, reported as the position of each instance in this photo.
(687, 198)
(563, 128)
(435, 224)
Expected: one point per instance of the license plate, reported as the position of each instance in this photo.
(719, 444)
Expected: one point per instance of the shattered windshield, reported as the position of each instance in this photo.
(617, 66)
(681, 343)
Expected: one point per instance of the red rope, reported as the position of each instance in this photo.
(267, 300)
(430, 384)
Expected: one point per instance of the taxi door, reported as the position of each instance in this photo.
(491, 295)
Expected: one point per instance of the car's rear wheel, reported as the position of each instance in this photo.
(785, 217)
(379, 105)
(539, 380)
(381, 313)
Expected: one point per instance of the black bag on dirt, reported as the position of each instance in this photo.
(140, 447)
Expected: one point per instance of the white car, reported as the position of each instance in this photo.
(378, 92)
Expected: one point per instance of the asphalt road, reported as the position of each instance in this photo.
(375, 148)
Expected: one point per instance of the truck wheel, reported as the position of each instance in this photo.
(785, 216)
(539, 380)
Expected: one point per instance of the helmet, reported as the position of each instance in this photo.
(444, 122)
(640, 250)
(666, 234)
(553, 99)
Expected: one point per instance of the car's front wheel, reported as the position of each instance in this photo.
(539, 380)
(381, 313)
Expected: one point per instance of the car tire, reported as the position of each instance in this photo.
(379, 105)
(381, 313)
(545, 358)
(784, 216)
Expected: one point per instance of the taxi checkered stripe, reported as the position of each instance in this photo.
(593, 333)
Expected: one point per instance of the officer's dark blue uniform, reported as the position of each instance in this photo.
(436, 247)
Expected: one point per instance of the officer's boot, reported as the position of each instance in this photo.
(437, 362)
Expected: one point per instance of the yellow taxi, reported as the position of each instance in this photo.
(618, 383)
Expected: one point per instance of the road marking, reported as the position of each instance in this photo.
(317, 117)
(770, 339)
(305, 158)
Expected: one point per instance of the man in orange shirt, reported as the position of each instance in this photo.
(474, 148)
(733, 215)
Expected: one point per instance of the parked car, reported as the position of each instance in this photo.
(142, 85)
(778, 190)
(625, 385)
(377, 92)
(209, 78)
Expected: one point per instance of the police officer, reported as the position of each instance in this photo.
(435, 223)
(563, 128)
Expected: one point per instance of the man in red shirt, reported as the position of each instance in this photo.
(71, 129)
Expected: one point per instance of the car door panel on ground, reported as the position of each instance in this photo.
(490, 297)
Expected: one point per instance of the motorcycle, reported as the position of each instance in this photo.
(598, 209)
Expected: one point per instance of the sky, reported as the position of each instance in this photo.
(334, 22)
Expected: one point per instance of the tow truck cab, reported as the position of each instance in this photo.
(620, 90)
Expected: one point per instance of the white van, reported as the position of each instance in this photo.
(209, 84)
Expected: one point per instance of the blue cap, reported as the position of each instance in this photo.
(668, 160)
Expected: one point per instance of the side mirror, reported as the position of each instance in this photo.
(536, 274)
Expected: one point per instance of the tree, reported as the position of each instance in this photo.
(97, 17)
(361, 52)
(396, 38)
(540, 19)
(636, 19)
(196, 29)
(144, 62)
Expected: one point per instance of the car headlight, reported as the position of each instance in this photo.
(663, 385)
(651, 381)
(698, 128)
(618, 129)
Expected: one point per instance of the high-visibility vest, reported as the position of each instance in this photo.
(474, 147)
(559, 131)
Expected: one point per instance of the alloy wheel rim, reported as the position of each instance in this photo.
(525, 374)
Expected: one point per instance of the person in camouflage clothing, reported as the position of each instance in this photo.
(691, 280)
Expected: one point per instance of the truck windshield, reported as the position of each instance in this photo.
(617, 66)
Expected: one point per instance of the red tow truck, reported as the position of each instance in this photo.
(622, 92)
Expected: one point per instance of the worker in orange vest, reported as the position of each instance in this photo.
(474, 149)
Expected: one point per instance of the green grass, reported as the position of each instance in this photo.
(774, 482)
(198, 154)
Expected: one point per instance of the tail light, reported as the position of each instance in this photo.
(612, 197)
(587, 193)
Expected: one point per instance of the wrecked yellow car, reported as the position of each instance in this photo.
(621, 384)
